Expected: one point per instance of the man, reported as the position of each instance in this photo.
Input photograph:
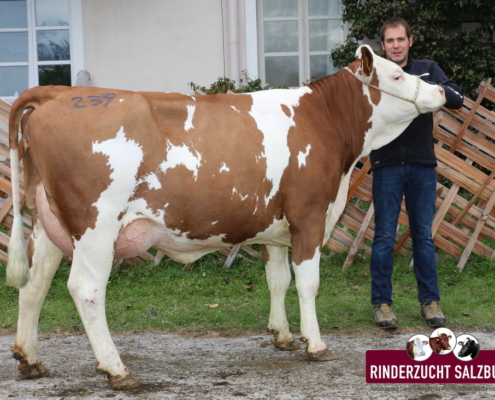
(406, 166)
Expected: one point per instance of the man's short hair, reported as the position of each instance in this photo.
(393, 23)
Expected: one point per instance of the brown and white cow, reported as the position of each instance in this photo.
(415, 348)
(440, 343)
(110, 173)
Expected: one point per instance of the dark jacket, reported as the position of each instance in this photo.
(415, 144)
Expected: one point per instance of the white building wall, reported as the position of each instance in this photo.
(155, 45)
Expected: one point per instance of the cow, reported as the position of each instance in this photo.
(111, 173)
(469, 348)
(415, 348)
(440, 343)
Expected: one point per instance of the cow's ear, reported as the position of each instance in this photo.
(450, 336)
(366, 60)
(460, 343)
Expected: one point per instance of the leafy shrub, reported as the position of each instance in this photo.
(467, 56)
(223, 84)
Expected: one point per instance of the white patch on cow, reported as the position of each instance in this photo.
(275, 124)
(190, 115)
(256, 208)
(138, 208)
(301, 157)
(224, 168)
(214, 223)
(336, 208)
(235, 109)
(121, 100)
(277, 234)
(152, 180)
(234, 191)
(113, 200)
(181, 155)
(307, 281)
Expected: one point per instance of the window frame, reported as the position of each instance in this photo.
(303, 53)
(76, 61)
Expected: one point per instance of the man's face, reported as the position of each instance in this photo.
(396, 45)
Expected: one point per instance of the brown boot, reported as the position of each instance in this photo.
(433, 315)
(385, 317)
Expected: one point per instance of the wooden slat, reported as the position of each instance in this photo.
(231, 257)
(472, 241)
(358, 242)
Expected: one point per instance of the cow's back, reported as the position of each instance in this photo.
(219, 165)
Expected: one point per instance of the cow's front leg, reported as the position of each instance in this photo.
(45, 260)
(90, 271)
(278, 278)
(307, 282)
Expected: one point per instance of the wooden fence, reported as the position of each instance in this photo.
(465, 150)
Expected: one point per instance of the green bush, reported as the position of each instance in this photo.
(223, 84)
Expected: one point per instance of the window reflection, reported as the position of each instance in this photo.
(13, 47)
(324, 7)
(53, 45)
(282, 71)
(281, 36)
(13, 80)
(324, 34)
(54, 75)
(52, 13)
(320, 66)
(13, 14)
(280, 8)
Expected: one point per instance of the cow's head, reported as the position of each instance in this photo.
(443, 341)
(418, 347)
(395, 84)
(396, 96)
(466, 348)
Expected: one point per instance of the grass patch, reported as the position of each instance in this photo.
(166, 297)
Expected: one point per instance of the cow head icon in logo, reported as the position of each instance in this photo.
(442, 341)
(467, 348)
(417, 347)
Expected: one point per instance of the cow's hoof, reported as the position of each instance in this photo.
(123, 383)
(33, 371)
(286, 346)
(322, 355)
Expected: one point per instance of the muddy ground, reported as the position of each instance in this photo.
(207, 366)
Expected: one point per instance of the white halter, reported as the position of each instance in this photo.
(413, 100)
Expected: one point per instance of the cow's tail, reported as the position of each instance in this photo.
(18, 263)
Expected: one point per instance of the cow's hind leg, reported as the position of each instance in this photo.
(278, 277)
(91, 267)
(46, 258)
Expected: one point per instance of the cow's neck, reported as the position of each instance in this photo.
(348, 113)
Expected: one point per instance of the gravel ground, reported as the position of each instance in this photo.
(207, 366)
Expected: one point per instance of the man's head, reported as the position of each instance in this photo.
(396, 39)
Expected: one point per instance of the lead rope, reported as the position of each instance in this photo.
(413, 100)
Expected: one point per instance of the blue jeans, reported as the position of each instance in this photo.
(417, 182)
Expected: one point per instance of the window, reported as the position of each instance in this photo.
(36, 44)
(296, 38)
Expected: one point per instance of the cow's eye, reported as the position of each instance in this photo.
(397, 77)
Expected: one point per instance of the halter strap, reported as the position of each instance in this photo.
(413, 100)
